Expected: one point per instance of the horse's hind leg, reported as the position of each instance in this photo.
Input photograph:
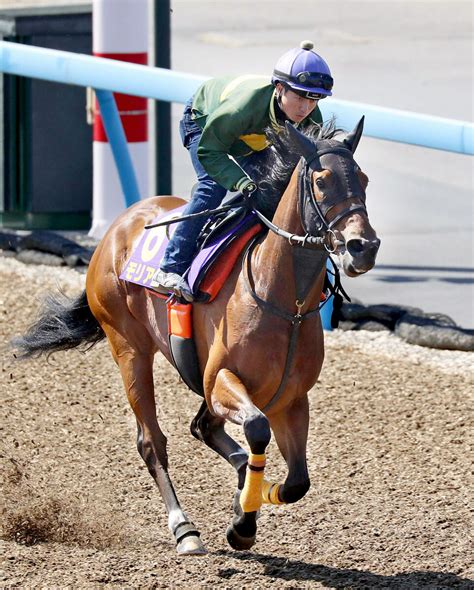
(136, 368)
(230, 400)
(210, 430)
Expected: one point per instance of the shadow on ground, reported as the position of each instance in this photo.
(332, 577)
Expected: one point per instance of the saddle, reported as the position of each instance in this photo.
(220, 244)
(224, 222)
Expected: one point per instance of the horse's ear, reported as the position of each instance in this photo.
(302, 144)
(352, 140)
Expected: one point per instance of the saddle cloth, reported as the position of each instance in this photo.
(211, 266)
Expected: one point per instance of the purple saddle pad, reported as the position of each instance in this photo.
(151, 245)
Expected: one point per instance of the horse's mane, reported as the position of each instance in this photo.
(273, 172)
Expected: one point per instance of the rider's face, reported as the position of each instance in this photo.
(295, 107)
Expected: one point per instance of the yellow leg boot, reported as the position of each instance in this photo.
(270, 492)
(251, 495)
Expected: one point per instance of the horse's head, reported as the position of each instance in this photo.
(332, 198)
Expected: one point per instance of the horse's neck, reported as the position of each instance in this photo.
(274, 265)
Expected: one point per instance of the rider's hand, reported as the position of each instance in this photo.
(248, 188)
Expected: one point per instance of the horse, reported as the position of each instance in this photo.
(260, 342)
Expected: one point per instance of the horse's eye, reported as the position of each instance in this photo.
(320, 183)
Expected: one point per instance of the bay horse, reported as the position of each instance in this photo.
(259, 343)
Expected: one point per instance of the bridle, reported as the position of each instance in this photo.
(326, 236)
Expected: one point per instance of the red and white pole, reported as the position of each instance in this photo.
(120, 31)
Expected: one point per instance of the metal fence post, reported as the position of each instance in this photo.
(118, 143)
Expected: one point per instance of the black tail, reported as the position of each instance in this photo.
(63, 323)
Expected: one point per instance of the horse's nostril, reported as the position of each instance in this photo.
(355, 247)
(373, 247)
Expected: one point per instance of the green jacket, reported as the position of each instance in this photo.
(233, 114)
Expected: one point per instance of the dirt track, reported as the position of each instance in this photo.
(388, 455)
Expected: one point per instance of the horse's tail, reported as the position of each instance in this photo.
(63, 323)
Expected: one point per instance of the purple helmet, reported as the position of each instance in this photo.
(304, 71)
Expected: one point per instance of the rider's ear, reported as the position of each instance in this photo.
(280, 90)
(352, 140)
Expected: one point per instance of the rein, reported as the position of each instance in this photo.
(305, 187)
(305, 241)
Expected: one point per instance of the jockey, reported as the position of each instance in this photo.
(223, 128)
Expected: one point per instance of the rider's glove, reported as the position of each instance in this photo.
(248, 188)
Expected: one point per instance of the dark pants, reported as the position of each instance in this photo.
(208, 195)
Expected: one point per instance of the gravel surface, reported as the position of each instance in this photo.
(388, 454)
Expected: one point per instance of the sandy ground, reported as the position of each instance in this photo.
(388, 455)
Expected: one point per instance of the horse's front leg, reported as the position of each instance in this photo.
(229, 399)
(290, 427)
(136, 367)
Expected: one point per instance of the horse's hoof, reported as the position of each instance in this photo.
(238, 542)
(191, 545)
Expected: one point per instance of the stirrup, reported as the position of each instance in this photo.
(183, 290)
(169, 282)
